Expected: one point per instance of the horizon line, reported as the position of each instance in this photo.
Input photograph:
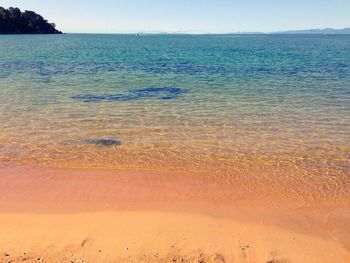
(215, 33)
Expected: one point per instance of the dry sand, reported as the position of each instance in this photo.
(71, 215)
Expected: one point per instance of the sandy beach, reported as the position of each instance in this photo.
(77, 215)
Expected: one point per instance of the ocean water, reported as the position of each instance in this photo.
(223, 105)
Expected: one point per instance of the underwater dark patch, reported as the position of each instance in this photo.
(46, 70)
(162, 93)
(103, 141)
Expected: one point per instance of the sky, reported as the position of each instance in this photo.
(188, 16)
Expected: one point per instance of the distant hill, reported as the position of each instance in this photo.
(327, 31)
(13, 21)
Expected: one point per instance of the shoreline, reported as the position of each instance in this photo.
(47, 213)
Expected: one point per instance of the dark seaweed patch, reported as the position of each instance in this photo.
(47, 70)
(163, 93)
(103, 141)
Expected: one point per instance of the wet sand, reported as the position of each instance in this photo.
(77, 215)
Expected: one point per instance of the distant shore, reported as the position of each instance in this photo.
(49, 214)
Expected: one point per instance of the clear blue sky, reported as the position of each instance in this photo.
(192, 16)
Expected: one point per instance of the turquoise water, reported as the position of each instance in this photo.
(220, 104)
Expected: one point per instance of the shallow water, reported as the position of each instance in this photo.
(225, 105)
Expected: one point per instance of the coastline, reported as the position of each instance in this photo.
(70, 215)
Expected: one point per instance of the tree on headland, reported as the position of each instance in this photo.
(13, 21)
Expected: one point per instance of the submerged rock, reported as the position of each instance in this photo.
(162, 93)
(104, 141)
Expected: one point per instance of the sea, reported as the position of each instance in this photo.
(223, 105)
